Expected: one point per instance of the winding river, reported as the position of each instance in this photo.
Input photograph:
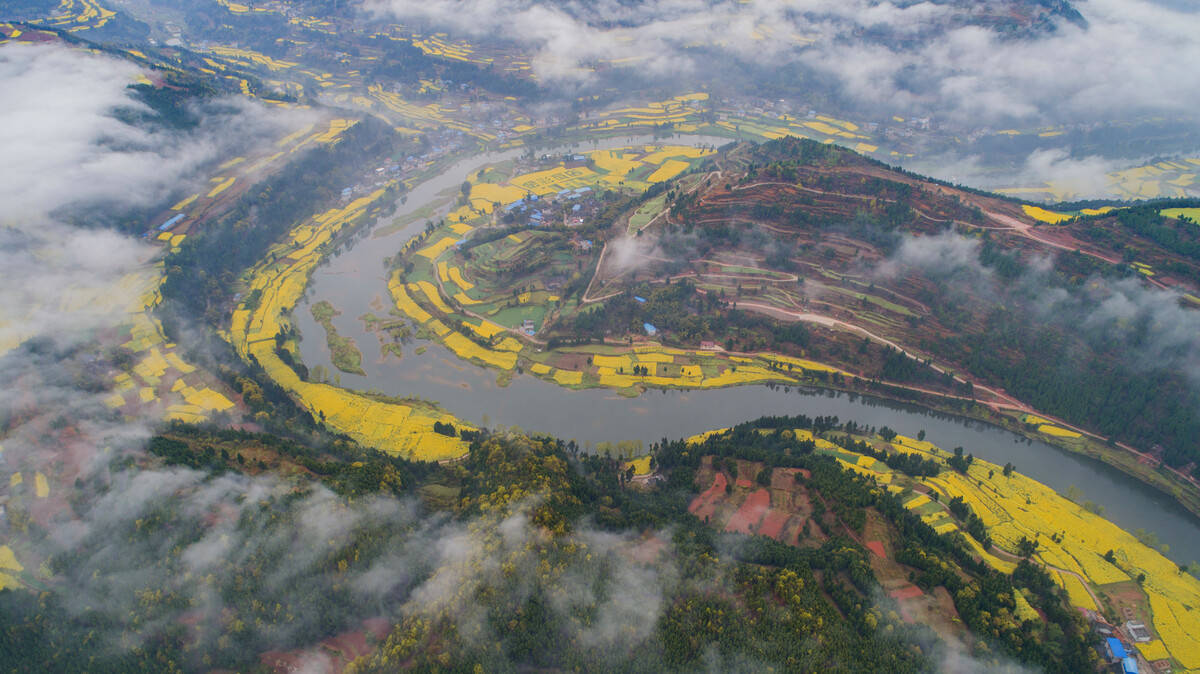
(354, 281)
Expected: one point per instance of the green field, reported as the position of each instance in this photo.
(647, 212)
(1192, 214)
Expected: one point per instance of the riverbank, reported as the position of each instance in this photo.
(1003, 516)
(433, 372)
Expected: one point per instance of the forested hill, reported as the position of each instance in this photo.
(529, 554)
(974, 282)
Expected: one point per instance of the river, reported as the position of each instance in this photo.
(355, 279)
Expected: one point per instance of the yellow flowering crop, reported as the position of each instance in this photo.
(432, 293)
(1043, 215)
(438, 248)
(669, 169)
(1153, 650)
(457, 277)
(1057, 431)
(568, 377)
(221, 187)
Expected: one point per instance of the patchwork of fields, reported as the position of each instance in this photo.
(1078, 546)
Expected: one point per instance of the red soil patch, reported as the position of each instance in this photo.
(37, 36)
(378, 627)
(772, 524)
(348, 645)
(704, 505)
(648, 551)
(784, 479)
(877, 548)
(747, 517)
(744, 483)
(282, 662)
(909, 592)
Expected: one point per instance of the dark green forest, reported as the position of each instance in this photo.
(725, 598)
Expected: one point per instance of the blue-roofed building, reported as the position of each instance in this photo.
(172, 222)
(1129, 665)
(650, 329)
(575, 208)
(1116, 650)
(640, 299)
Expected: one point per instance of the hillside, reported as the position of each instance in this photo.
(963, 281)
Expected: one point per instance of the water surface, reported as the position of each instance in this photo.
(355, 279)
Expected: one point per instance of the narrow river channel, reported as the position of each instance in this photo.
(355, 279)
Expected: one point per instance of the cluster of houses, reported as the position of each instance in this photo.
(1118, 650)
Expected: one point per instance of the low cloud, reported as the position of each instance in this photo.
(1148, 326)
(925, 58)
(629, 253)
(65, 148)
(1072, 177)
(940, 256)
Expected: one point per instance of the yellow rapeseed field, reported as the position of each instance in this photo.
(658, 156)
(615, 362)
(1017, 506)
(1075, 590)
(669, 169)
(465, 348)
(555, 179)
(568, 377)
(488, 193)
(431, 293)
(221, 187)
(457, 277)
(810, 365)
(185, 202)
(485, 328)
(1179, 629)
(640, 465)
(391, 427)
(614, 162)
(9, 568)
(438, 248)
(1153, 650)
(510, 344)
(1057, 431)
(406, 304)
(1043, 215)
